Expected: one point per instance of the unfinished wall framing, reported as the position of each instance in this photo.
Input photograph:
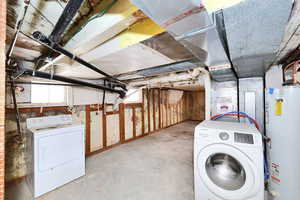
(105, 127)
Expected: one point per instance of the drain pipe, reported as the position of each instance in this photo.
(11, 64)
(198, 31)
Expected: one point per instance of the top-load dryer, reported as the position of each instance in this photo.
(228, 161)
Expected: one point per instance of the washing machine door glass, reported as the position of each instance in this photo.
(225, 171)
(228, 172)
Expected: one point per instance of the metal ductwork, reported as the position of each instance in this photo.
(161, 70)
(169, 68)
(191, 25)
(255, 29)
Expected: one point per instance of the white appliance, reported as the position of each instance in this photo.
(228, 161)
(282, 126)
(55, 152)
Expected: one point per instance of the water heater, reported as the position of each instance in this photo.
(283, 129)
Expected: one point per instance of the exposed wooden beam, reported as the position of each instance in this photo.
(122, 122)
(87, 129)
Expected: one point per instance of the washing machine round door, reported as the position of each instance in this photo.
(228, 172)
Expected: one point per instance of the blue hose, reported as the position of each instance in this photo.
(234, 112)
(266, 168)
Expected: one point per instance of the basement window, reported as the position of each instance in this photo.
(133, 96)
(48, 94)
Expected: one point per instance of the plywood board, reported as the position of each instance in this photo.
(133, 58)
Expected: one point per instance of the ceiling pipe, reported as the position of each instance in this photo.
(57, 48)
(48, 76)
(186, 76)
(65, 19)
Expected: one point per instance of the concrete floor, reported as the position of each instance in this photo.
(159, 166)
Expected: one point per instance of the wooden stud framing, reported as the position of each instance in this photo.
(122, 122)
(143, 112)
(148, 102)
(39, 109)
(177, 112)
(134, 122)
(154, 111)
(87, 129)
(159, 109)
(104, 127)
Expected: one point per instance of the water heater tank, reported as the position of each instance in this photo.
(283, 128)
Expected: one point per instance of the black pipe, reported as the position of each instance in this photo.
(13, 93)
(65, 19)
(57, 48)
(39, 83)
(72, 81)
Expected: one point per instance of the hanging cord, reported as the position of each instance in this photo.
(9, 62)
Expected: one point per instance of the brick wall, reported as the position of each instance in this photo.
(2, 92)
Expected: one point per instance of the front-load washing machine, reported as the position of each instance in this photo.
(228, 161)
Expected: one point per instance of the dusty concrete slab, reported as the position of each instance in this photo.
(159, 166)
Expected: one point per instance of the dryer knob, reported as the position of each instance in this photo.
(224, 136)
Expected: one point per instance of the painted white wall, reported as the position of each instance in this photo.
(274, 77)
(86, 96)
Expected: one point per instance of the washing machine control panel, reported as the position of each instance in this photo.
(234, 137)
(224, 136)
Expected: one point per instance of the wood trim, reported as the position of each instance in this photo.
(39, 109)
(87, 129)
(104, 127)
(134, 122)
(96, 107)
(122, 122)
(133, 105)
(113, 113)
